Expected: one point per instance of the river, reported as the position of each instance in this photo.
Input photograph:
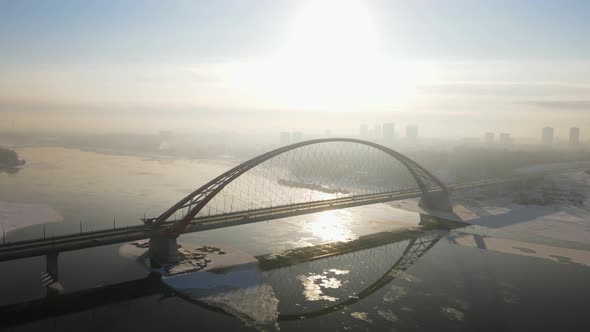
(75, 191)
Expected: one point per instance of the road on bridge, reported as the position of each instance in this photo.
(71, 242)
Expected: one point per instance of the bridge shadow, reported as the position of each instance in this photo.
(476, 207)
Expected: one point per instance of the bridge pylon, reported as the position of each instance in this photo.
(163, 249)
(436, 200)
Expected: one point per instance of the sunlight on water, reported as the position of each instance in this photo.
(331, 226)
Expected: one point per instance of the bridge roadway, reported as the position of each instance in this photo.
(31, 248)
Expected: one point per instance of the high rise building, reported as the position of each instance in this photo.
(388, 132)
(285, 138)
(505, 138)
(489, 137)
(547, 135)
(376, 132)
(412, 132)
(364, 130)
(296, 136)
(574, 136)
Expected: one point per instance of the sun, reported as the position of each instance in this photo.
(331, 61)
(328, 31)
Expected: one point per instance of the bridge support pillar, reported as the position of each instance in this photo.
(50, 278)
(51, 265)
(164, 250)
(436, 200)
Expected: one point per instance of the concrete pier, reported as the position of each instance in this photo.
(164, 250)
(436, 200)
(50, 278)
(51, 265)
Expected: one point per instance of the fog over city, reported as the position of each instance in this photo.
(294, 165)
(455, 69)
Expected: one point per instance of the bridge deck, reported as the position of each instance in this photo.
(71, 242)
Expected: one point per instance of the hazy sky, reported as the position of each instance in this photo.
(497, 64)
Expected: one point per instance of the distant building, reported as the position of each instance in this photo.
(574, 136)
(285, 138)
(488, 137)
(547, 135)
(412, 132)
(505, 138)
(388, 132)
(364, 130)
(376, 132)
(296, 136)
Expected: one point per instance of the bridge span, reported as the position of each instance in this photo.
(297, 179)
(25, 249)
(333, 173)
(90, 239)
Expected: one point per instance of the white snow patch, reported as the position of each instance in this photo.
(560, 219)
(229, 281)
(558, 254)
(364, 316)
(256, 306)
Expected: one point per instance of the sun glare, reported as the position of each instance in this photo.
(331, 61)
(331, 226)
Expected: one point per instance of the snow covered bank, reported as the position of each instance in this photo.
(553, 253)
(558, 207)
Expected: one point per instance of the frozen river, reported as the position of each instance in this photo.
(454, 284)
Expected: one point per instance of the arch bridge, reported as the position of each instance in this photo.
(296, 179)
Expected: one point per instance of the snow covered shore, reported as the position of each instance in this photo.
(556, 207)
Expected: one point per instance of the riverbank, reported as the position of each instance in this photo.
(557, 207)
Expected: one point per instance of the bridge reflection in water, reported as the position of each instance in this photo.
(391, 252)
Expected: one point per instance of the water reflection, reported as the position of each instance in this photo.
(256, 293)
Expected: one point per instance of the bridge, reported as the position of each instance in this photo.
(297, 179)
(331, 166)
(302, 178)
